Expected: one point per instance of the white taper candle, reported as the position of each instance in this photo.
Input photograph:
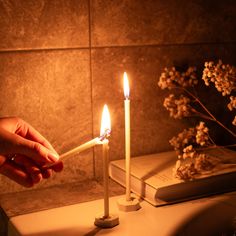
(105, 152)
(127, 147)
(105, 126)
(81, 148)
(127, 136)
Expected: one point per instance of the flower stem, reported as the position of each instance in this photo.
(209, 113)
(199, 114)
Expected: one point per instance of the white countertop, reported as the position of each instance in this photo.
(214, 215)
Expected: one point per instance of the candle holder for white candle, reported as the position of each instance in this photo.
(106, 221)
(128, 205)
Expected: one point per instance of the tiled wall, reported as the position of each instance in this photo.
(61, 60)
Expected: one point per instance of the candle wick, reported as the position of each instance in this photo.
(105, 135)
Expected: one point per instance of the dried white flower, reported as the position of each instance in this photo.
(234, 121)
(223, 76)
(232, 104)
(202, 136)
(171, 78)
(178, 107)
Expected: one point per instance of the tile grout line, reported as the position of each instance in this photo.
(90, 47)
(91, 80)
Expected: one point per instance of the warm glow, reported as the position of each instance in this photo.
(106, 121)
(126, 86)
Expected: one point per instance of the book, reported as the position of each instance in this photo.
(152, 177)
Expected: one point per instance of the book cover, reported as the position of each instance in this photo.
(152, 177)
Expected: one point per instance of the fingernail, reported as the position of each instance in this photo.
(53, 156)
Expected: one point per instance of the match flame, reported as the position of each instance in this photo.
(126, 86)
(105, 123)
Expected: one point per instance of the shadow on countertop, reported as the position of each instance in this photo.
(218, 219)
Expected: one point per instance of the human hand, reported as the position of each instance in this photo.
(25, 153)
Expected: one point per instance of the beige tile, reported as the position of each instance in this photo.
(51, 90)
(151, 126)
(43, 24)
(30, 201)
(138, 22)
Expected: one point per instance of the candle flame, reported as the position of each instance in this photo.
(126, 86)
(105, 123)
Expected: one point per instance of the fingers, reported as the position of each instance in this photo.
(27, 131)
(57, 167)
(34, 150)
(47, 173)
(15, 173)
(29, 166)
(36, 172)
(12, 142)
(25, 172)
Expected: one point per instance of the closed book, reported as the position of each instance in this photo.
(152, 177)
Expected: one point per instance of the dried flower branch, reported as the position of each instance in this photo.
(223, 76)
(190, 143)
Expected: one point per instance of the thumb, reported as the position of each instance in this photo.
(33, 150)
